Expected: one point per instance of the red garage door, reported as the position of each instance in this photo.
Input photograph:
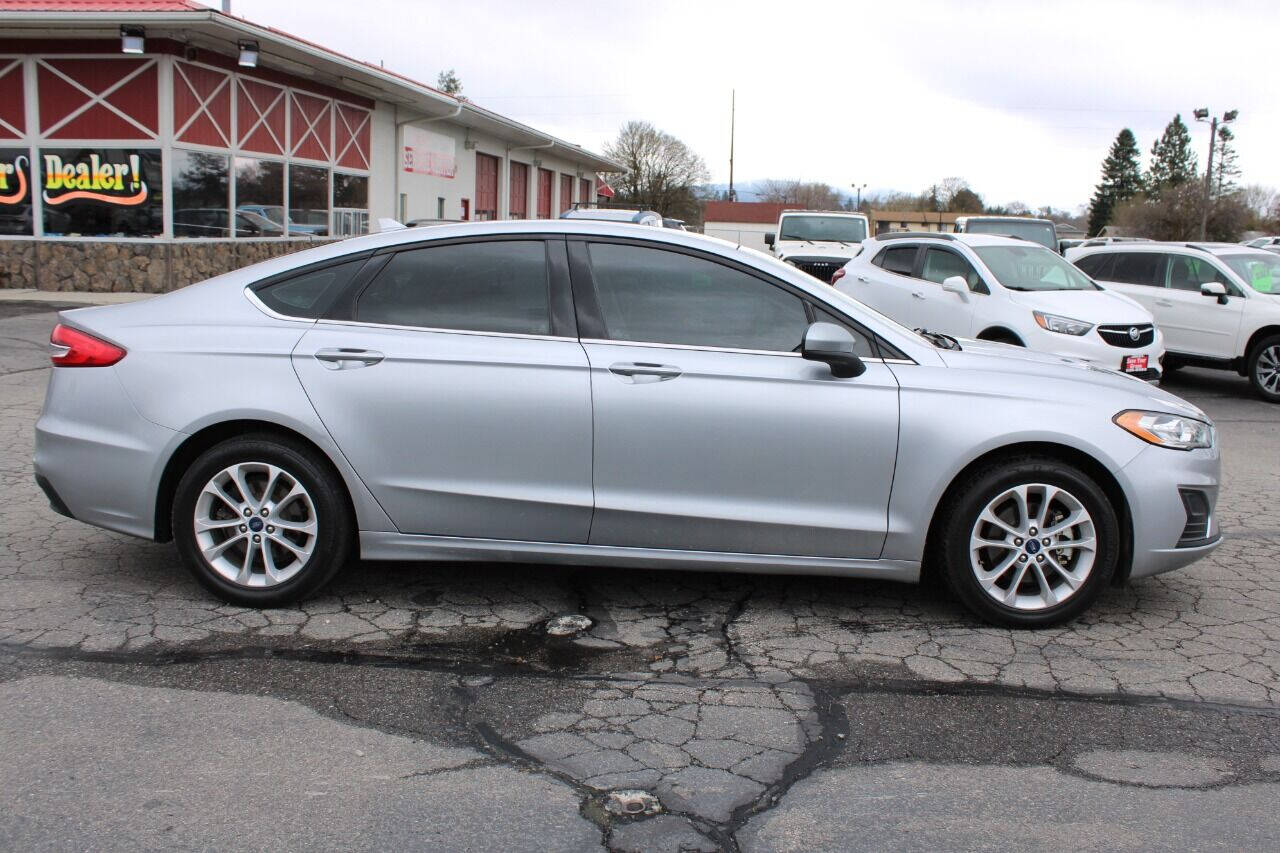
(544, 193)
(519, 191)
(566, 192)
(486, 187)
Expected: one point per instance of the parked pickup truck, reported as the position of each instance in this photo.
(818, 241)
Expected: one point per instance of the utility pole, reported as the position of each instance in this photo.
(859, 188)
(1202, 114)
(733, 105)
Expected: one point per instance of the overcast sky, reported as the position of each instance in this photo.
(1022, 99)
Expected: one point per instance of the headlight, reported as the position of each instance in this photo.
(1165, 430)
(1062, 325)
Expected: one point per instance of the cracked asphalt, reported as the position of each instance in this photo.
(426, 707)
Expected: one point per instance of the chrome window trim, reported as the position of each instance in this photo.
(262, 306)
(693, 347)
(474, 333)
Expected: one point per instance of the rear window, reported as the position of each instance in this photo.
(1096, 266)
(311, 293)
(1137, 268)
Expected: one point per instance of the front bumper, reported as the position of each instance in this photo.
(1098, 352)
(1162, 526)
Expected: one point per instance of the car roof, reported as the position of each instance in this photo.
(1173, 246)
(974, 240)
(1002, 218)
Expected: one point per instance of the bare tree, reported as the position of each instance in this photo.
(660, 171)
(811, 195)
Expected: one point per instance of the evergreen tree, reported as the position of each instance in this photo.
(1225, 170)
(1121, 180)
(1173, 162)
(448, 82)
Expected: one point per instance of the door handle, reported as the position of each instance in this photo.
(917, 295)
(1164, 303)
(348, 358)
(863, 278)
(643, 371)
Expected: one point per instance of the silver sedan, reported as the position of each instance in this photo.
(606, 394)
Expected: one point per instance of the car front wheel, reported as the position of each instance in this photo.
(1264, 369)
(1029, 543)
(261, 521)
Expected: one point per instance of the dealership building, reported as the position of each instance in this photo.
(147, 144)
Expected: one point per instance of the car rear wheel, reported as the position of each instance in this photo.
(1029, 543)
(1264, 369)
(261, 521)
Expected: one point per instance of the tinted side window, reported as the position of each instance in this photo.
(310, 294)
(899, 259)
(651, 295)
(1188, 273)
(1137, 268)
(1096, 266)
(481, 287)
(939, 265)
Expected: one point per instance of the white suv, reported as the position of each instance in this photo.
(1002, 289)
(1218, 303)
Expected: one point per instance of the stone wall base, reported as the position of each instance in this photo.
(129, 266)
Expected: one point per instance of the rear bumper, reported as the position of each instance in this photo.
(96, 458)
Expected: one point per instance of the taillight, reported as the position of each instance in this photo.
(70, 347)
(837, 275)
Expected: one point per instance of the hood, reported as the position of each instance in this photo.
(816, 249)
(1091, 306)
(1046, 369)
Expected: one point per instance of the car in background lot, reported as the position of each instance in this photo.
(1006, 290)
(818, 242)
(1075, 251)
(615, 214)
(1218, 303)
(1262, 242)
(603, 394)
(1040, 231)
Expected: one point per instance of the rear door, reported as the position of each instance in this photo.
(455, 385)
(887, 284)
(711, 433)
(1139, 275)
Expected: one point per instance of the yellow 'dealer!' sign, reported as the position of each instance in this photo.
(93, 178)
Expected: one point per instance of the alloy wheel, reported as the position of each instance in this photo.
(1033, 547)
(1267, 369)
(255, 524)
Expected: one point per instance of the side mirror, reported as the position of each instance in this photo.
(769, 237)
(1215, 288)
(832, 345)
(956, 284)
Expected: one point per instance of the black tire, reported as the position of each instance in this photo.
(1257, 366)
(968, 501)
(333, 540)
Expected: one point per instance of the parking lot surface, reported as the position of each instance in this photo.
(427, 706)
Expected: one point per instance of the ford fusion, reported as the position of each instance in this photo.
(609, 395)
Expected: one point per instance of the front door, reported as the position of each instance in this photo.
(1195, 323)
(486, 187)
(452, 398)
(711, 433)
(566, 192)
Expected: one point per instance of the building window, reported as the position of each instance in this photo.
(201, 194)
(308, 201)
(350, 205)
(15, 191)
(96, 192)
(260, 194)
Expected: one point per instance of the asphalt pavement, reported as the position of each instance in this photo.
(427, 706)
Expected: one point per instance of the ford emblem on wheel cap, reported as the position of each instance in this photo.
(1134, 334)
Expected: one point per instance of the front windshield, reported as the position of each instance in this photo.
(1032, 268)
(1028, 229)
(1260, 270)
(828, 229)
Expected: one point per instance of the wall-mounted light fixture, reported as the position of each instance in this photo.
(132, 39)
(248, 54)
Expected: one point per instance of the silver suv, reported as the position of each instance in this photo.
(606, 394)
(1218, 303)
